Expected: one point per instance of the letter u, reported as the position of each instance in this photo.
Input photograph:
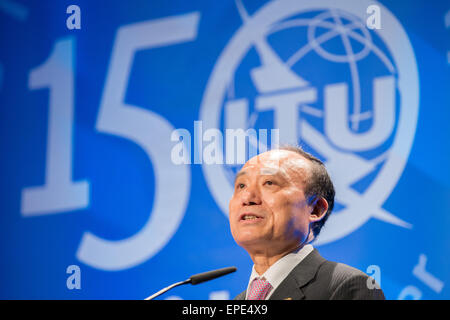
(336, 116)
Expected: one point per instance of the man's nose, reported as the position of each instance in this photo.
(251, 196)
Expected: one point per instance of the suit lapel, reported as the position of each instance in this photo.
(241, 296)
(301, 275)
(289, 289)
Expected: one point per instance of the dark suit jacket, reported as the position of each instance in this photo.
(315, 278)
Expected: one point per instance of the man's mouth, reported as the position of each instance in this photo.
(250, 217)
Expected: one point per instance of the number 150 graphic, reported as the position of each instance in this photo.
(142, 127)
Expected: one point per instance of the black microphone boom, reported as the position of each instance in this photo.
(206, 276)
(196, 279)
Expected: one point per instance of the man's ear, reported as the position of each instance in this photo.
(319, 209)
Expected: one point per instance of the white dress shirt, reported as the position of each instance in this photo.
(280, 269)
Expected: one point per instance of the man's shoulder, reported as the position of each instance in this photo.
(338, 272)
(342, 281)
(335, 280)
(328, 274)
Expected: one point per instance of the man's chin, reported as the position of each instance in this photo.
(252, 244)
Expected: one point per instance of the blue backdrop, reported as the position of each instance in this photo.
(94, 202)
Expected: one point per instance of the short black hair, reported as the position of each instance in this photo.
(318, 184)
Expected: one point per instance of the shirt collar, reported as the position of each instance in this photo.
(281, 268)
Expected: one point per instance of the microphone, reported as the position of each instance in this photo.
(196, 279)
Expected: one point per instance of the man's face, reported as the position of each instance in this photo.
(268, 210)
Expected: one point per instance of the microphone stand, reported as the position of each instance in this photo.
(160, 292)
(196, 279)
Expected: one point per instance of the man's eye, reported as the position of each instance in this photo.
(240, 185)
(268, 182)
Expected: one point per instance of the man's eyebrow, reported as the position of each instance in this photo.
(240, 173)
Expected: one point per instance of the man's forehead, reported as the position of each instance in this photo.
(263, 170)
(277, 162)
(278, 159)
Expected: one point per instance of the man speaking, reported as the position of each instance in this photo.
(281, 200)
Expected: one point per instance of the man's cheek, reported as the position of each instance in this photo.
(270, 200)
(232, 209)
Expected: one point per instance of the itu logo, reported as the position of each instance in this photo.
(348, 94)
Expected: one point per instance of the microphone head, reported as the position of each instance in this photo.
(206, 276)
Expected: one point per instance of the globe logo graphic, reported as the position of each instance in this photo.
(347, 28)
(347, 94)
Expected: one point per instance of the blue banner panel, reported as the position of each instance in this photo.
(119, 136)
